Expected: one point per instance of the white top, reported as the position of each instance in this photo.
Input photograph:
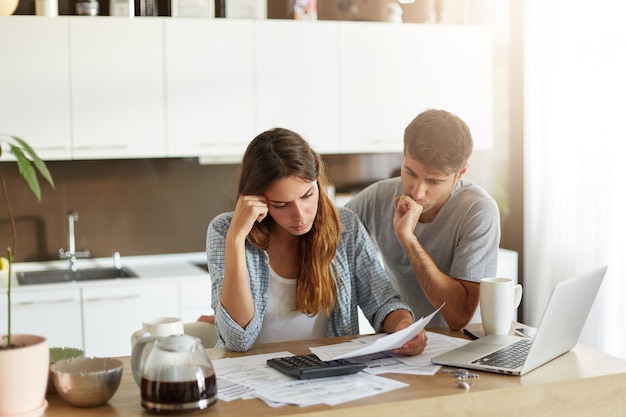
(281, 321)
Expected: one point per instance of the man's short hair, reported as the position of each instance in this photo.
(439, 140)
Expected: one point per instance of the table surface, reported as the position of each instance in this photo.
(576, 383)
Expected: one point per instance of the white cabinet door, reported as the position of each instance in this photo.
(34, 83)
(117, 90)
(111, 314)
(195, 297)
(209, 82)
(377, 84)
(297, 80)
(159, 298)
(55, 314)
(455, 73)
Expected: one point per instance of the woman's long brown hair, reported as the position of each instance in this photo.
(280, 153)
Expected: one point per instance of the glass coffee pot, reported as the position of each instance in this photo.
(176, 375)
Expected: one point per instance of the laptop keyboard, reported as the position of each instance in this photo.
(509, 357)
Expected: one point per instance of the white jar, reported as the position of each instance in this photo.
(46, 8)
(124, 8)
(193, 8)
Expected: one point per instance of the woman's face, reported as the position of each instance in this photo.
(292, 204)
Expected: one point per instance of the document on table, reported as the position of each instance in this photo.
(391, 341)
(331, 391)
(239, 378)
(250, 377)
(388, 362)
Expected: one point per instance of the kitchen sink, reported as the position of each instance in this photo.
(67, 275)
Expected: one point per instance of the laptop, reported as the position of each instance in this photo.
(558, 332)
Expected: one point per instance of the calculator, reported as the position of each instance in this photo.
(310, 366)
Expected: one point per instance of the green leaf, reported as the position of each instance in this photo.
(39, 164)
(26, 169)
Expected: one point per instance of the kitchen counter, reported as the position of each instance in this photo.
(178, 265)
(100, 315)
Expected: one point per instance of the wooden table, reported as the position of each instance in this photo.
(583, 382)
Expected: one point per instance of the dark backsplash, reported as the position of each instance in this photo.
(142, 206)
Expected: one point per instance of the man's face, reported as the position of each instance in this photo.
(430, 189)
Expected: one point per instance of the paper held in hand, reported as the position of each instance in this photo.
(392, 341)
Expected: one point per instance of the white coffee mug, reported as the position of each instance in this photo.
(159, 327)
(498, 298)
(163, 326)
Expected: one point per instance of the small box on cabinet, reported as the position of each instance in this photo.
(193, 8)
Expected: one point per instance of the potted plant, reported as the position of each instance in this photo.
(24, 359)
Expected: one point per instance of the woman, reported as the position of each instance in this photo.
(287, 264)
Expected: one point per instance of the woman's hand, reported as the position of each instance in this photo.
(401, 319)
(414, 346)
(249, 209)
(236, 296)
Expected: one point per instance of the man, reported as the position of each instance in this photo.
(438, 234)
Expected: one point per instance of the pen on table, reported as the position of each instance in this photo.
(470, 334)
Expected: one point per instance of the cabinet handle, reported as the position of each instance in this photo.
(384, 141)
(50, 148)
(98, 147)
(57, 301)
(218, 144)
(112, 298)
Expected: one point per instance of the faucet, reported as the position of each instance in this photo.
(71, 254)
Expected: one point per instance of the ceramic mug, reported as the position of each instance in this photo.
(498, 298)
(163, 326)
(153, 329)
(158, 327)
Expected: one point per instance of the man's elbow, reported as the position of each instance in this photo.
(458, 322)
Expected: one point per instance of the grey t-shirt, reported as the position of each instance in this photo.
(462, 240)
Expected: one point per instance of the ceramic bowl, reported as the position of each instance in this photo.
(57, 354)
(87, 382)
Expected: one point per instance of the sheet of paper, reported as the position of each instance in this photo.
(250, 377)
(391, 341)
(384, 362)
(331, 391)
(238, 378)
(388, 362)
(437, 344)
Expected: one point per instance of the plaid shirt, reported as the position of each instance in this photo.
(362, 281)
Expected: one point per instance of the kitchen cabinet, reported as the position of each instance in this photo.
(378, 80)
(100, 316)
(53, 313)
(209, 81)
(391, 73)
(459, 80)
(195, 297)
(111, 314)
(34, 83)
(116, 87)
(297, 80)
(110, 87)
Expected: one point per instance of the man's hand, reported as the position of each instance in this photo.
(406, 215)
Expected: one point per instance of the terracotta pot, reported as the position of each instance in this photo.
(7, 7)
(23, 374)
